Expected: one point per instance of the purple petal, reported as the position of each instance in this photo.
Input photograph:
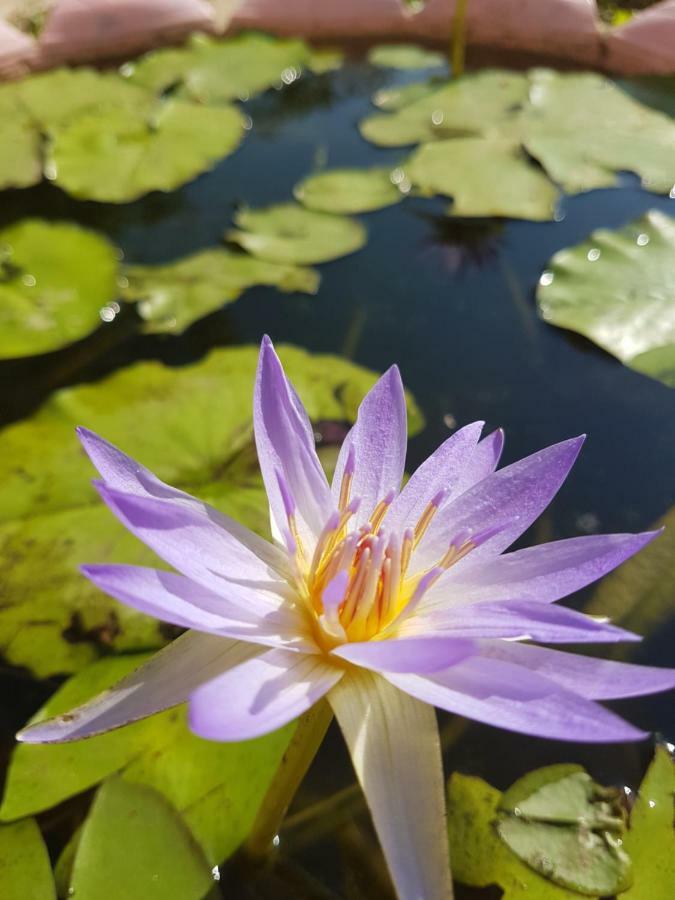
(376, 444)
(260, 695)
(180, 601)
(596, 679)
(394, 744)
(544, 573)
(455, 466)
(122, 473)
(285, 442)
(515, 496)
(193, 542)
(490, 450)
(517, 619)
(420, 655)
(164, 681)
(517, 699)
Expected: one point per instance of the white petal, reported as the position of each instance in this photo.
(394, 744)
(164, 681)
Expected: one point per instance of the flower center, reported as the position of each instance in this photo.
(357, 585)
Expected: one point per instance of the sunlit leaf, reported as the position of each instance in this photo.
(650, 841)
(568, 829)
(215, 71)
(25, 872)
(618, 289)
(479, 857)
(192, 426)
(54, 279)
(484, 177)
(405, 56)
(120, 154)
(134, 838)
(640, 595)
(288, 233)
(348, 191)
(200, 778)
(20, 144)
(173, 296)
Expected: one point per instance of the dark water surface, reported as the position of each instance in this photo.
(452, 302)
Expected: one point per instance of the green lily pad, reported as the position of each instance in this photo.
(618, 289)
(20, 144)
(650, 840)
(324, 59)
(561, 120)
(475, 104)
(25, 872)
(134, 837)
(640, 594)
(479, 857)
(170, 298)
(405, 56)
(199, 778)
(120, 154)
(392, 99)
(348, 191)
(566, 128)
(484, 178)
(216, 71)
(287, 233)
(192, 426)
(566, 828)
(54, 280)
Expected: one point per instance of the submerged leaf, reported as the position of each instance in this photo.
(650, 840)
(134, 838)
(618, 289)
(52, 619)
(118, 155)
(405, 56)
(348, 191)
(54, 280)
(173, 296)
(25, 872)
(216, 71)
(287, 233)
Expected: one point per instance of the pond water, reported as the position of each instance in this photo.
(452, 302)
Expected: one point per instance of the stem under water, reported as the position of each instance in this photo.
(309, 734)
(458, 50)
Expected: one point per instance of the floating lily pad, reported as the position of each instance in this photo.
(560, 120)
(171, 297)
(215, 71)
(640, 594)
(479, 857)
(54, 279)
(650, 840)
(405, 56)
(20, 145)
(288, 233)
(348, 191)
(392, 99)
(475, 104)
(25, 872)
(566, 126)
(134, 838)
(118, 155)
(566, 828)
(192, 426)
(484, 177)
(618, 289)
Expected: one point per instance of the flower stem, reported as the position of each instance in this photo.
(309, 734)
(459, 39)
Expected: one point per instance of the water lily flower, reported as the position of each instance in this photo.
(386, 601)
